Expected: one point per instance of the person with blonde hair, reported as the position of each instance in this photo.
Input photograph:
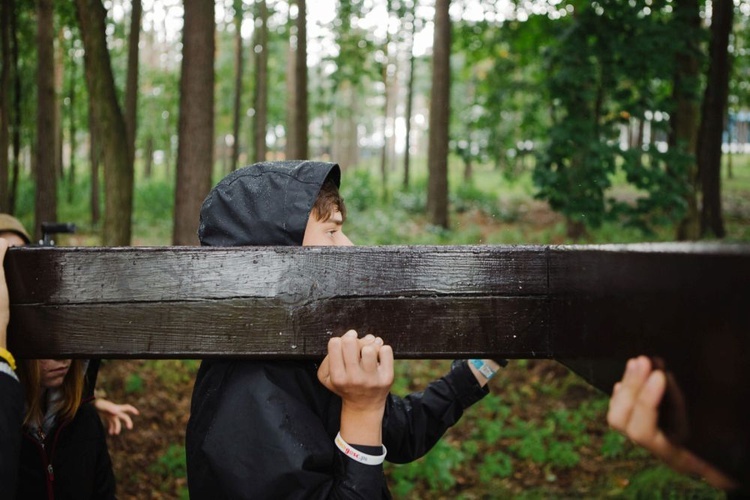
(115, 416)
(63, 447)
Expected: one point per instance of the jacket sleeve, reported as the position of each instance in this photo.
(413, 424)
(263, 430)
(11, 416)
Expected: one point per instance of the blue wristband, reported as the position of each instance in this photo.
(483, 368)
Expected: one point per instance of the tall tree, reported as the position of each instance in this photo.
(437, 153)
(387, 75)
(94, 157)
(6, 10)
(260, 90)
(239, 59)
(72, 79)
(196, 128)
(292, 117)
(131, 85)
(16, 140)
(684, 118)
(58, 118)
(412, 21)
(118, 176)
(298, 114)
(712, 118)
(355, 49)
(46, 179)
(301, 141)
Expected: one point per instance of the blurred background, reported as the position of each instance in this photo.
(455, 122)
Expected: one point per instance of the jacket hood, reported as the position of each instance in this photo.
(264, 204)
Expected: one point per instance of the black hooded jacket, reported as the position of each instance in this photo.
(267, 429)
(72, 463)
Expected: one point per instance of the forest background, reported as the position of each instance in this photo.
(455, 122)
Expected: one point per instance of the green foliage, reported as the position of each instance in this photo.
(134, 384)
(359, 190)
(173, 371)
(662, 483)
(610, 66)
(468, 196)
(436, 469)
(494, 465)
(549, 444)
(153, 204)
(613, 444)
(172, 463)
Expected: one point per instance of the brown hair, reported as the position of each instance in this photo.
(329, 200)
(72, 389)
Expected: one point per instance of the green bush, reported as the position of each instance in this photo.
(436, 469)
(172, 463)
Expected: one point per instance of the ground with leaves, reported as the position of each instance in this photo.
(540, 433)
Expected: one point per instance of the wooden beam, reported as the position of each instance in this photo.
(591, 307)
(428, 302)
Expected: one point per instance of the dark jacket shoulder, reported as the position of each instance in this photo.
(74, 461)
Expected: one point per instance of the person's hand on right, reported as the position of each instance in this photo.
(360, 371)
(634, 411)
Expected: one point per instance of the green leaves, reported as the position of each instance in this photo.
(610, 74)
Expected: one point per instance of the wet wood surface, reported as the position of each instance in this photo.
(590, 307)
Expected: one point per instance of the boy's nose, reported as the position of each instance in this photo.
(344, 241)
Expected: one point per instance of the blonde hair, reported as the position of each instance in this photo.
(72, 390)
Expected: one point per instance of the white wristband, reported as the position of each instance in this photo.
(357, 455)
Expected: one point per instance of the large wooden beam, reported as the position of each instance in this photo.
(591, 307)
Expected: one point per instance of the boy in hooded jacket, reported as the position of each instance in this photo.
(301, 429)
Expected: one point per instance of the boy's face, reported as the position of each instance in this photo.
(328, 233)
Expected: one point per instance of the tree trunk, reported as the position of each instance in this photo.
(112, 134)
(730, 174)
(290, 151)
(300, 83)
(148, 160)
(16, 110)
(196, 129)
(46, 178)
(386, 78)
(238, 65)
(468, 167)
(345, 140)
(437, 154)
(712, 118)
(59, 91)
(94, 155)
(260, 98)
(409, 102)
(131, 87)
(6, 11)
(72, 131)
(684, 119)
